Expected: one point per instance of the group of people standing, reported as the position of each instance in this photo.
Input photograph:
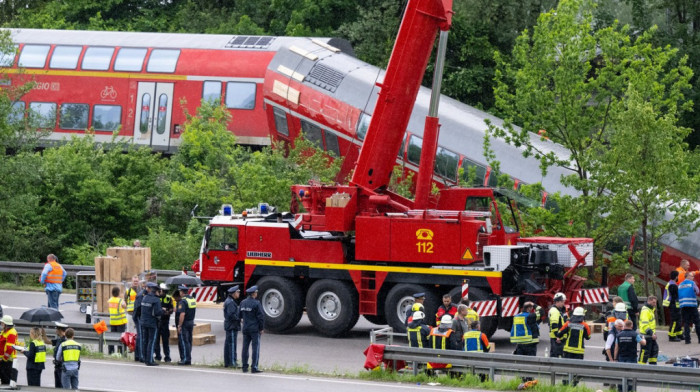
(249, 313)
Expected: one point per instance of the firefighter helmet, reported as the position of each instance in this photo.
(559, 297)
(417, 306)
(620, 307)
(418, 315)
(579, 311)
(446, 320)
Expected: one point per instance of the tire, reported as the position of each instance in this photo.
(400, 298)
(332, 307)
(489, 325)
(378, 319)
(282, 302)
(83, 308)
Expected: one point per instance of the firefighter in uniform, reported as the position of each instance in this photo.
(56, 343)
(69, 353)
(575, 330)
(443, 337)
(117, 316)
(151, 312)
(675, 330)
(187, 307)
(687, 297)
(557, 317)
(232, 324)
(619, 313)
(525, 332)
(8, 355)
(163, 334)
(647, 327)
(253, 325)
(476, 341)
(419, 299)
(36, 357)
(417, 331)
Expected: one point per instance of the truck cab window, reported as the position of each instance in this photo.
(222, 238)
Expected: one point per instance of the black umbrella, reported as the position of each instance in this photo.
(184, 279)
(41, 314)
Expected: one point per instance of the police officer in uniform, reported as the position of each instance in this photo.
(36, 357)
(56, 343)
(525, 332)
(253, 325)
(151, 312)
(163, 335)
(675, 330)
(647, 327)
(476, 341)
(69, 353)
(687, 297)
(417, 331)
(557, 317)
(187, 307)
(136, 317)
(232, 324)
(626, 346)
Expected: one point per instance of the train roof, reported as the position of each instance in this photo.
(165, 40)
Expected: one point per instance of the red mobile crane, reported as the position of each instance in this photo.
(360, 249)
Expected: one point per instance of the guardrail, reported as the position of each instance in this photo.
(84, 333)
(22, 267)
(554, 368)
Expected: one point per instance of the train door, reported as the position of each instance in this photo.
(154, 108)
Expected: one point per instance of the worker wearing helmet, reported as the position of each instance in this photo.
(417, 331)
(647, 327)
(618, 312)
(557, 317)
(8, 338)
(675, 329)
(443, 337)
(576, 331)
(419, 299)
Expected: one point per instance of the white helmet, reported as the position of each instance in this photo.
(620, 307)
(559, 297)
(446, 320)
(418, 315)
(579, 311)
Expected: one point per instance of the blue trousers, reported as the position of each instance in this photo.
(138, 349)
(149, 337)
(163, 337)
(249, 338)
(53, 298)
(69, 379)
(230, 357)
(185, 342)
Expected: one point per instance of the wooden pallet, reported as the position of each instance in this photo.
(597, 327)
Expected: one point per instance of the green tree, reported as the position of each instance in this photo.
(570, 80)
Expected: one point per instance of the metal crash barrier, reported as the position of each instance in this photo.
(552, 368)
(83, 334)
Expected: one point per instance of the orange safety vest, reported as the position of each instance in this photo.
(8, 338)
(56, 274)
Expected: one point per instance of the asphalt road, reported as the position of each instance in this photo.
(301, 348)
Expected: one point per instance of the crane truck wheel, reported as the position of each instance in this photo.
(282, 302)
(332, 307)
(400, 299)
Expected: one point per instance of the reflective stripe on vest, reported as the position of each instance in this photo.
(117, 315)
(415, 339)
(56, 273)
(191, 302)
(71, 351)
(667, 300)
(5, 337)
(555, 322)
(439, 338)
(686, 294)
(130, 298)
(520, 333)
(647, 320)
(40, 356)
(472, 341)
(574, 343)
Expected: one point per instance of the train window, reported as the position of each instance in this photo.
(130, 59)
(145, 112)
(16, 114)
(240, 95)
(42, 114)
(97, 58)
(65, 57)
(493, 178)
(33, 56)
(162, 113)
(415, 145)
(363, 126)
(473, 174)
(332, 143)
(163, 60)
(312, 133)
(8, 58)
(281, 121)
(211, 91)
(446, 163)
(106, 117)
(403, 146)
(74, 116)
